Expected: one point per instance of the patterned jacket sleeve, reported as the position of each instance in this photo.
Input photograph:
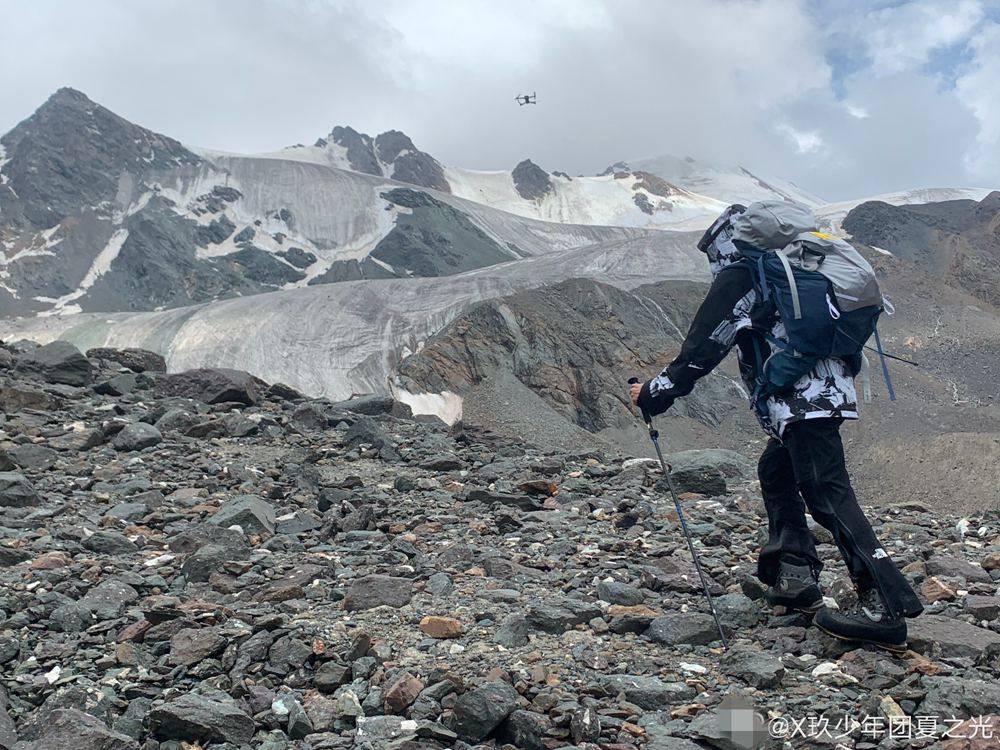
(710, 339)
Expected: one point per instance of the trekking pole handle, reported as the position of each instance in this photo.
(645, 416)
(633, 381)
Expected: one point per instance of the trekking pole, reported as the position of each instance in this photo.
(654, 435)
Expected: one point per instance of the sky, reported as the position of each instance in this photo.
(844, 97)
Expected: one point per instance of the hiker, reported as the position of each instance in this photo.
(803, 464)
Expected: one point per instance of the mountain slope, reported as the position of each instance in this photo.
(958, 240)
(335, 339)
(97, 214)
(728, 184)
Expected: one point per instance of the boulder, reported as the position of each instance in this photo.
(70, 728)
(212, 385)
(58, 362)
(478, 712)
(690, 628)
(136, 360)
(249, 512)
(196, 718)
(16, 491)
(378, 590)
(136, 437)
(954, 638)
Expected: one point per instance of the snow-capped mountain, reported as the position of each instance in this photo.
(729, 184)
(97, 213)
(321, 266)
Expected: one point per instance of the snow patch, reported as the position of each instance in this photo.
(445, 405)
(100, 266)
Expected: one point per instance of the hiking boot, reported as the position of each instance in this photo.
(868, 621)
(796, 587)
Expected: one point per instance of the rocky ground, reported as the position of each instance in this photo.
(204, 560)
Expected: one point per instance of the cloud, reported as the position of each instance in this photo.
(903, 37)
(785, 87)
(978, 89)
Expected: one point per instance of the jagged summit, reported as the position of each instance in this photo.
(389, 154)
(70, 154)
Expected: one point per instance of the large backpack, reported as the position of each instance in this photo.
(823, 291)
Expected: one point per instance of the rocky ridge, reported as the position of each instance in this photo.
(202, 559)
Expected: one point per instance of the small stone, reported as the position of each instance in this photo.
(933, 589)
(136, 437)
(378, 590)
(513, 631)
(441, 627)
(693, 628)
(249, 512)
(479, 711)
(16, 491)
(401, 693)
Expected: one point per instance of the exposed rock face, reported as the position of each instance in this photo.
(532, 182)
(569, 343)
(409, 164)
(957, 240)
(360, 149)
(434, 239)
(56, 165)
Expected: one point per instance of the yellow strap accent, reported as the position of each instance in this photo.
(824, 235)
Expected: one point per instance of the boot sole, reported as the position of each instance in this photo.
(806, 609)
(893, 648)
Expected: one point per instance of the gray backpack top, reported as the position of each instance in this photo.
(770, 225)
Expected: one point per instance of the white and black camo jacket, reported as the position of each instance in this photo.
(724, 321)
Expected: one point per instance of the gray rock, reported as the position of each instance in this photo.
(59, 362)
(130, 723)
(676, 628)
(962, 698)
(32, 457)
(439, 584)
(561, 613)
(752, 665)
(212, 385)
(199, 719)
(209, 559)
(478, 712)
(948, 565)
(16, 491)
(647, 692)
(249, 512)
(730, 464)
(738, 611)
(983, 607)
(109, 543)
(377, 590)
(954, 638)
(109, 599)
(69, 728)
(616, 592)
(136, 437)
(704, 481)
(513, 631)
(524, 729)
(136, 360)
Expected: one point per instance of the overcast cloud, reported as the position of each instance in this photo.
(847, 98)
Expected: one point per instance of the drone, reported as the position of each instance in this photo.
(525, 99)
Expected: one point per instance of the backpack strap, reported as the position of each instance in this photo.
(792, 286)
(885, 367)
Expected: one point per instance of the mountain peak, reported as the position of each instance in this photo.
(70, 154)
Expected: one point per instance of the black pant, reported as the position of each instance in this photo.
(808, 465)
